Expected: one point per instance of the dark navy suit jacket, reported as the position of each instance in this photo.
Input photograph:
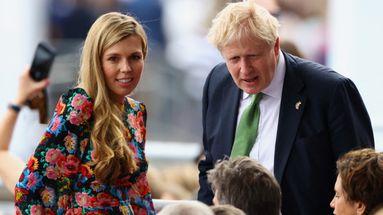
(330, 121)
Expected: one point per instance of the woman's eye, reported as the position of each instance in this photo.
(137, 57)
(113, 59)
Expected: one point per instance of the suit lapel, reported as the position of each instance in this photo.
(292, 107)
(230, 97)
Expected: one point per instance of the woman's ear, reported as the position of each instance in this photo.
(360, 208)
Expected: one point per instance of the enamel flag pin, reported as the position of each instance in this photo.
(298, 105)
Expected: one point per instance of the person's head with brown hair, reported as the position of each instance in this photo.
(226, 210)
(378, 210)
(245, 184)
(186, 208)
(359, 185)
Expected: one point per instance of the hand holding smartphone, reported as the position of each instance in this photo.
(41, 65)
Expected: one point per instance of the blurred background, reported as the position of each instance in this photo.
(342, 34)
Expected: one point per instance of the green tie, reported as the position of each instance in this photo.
(247, 129)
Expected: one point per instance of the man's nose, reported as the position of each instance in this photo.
(245, 65)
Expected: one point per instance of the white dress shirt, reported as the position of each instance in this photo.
(264, 147)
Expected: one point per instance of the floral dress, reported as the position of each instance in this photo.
(59, 178)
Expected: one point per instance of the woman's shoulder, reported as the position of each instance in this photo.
(76, 105)
(73, 92)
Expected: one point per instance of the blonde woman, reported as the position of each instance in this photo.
(91, 158)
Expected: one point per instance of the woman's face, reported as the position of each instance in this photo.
(122, 65)
(340, 203)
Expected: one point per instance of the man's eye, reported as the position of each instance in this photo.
(234, 59)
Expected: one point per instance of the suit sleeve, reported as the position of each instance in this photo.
(349, 122)
(205, 193)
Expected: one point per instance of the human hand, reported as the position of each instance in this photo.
(28, 88)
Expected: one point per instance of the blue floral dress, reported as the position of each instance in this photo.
(59, 178)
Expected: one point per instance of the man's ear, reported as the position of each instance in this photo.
(276, 46)
(360, 208)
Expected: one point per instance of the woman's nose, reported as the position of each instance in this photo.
(125, 66)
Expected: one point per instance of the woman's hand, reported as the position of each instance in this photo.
(28, 88)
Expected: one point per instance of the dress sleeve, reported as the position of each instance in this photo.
(50, 172)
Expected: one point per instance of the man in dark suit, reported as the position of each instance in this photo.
(309, 114)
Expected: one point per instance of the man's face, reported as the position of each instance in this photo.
(251, 63)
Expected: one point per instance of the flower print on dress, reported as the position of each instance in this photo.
(68, 166)
(75, 118)
(133, 104)
(79, 101)
(74, 211)
(33, 163)
(86, 171)
(63, 201)
(81, 109)
(34, 181)
(52, 172)
(48, 196)
(132, 120)
(140, 134)
(48, 211)
(82, 199)
(70, 142)
(126, 210)
(36, 210)
(55, 125)
(83, 145)
(60, 107)
(20, 194)
(97, 186)
(53, 155)
(104, 199)
(140, 187)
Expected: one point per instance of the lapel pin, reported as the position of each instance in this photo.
(298, 105)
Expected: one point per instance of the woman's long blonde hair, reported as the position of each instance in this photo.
(114, 158)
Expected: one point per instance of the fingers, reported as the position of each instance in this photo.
(28, 87)
(36, 88)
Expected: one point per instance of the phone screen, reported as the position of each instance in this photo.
(42, 61)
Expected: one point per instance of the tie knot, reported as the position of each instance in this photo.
(255, 98)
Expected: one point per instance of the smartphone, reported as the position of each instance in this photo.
(42, 61)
